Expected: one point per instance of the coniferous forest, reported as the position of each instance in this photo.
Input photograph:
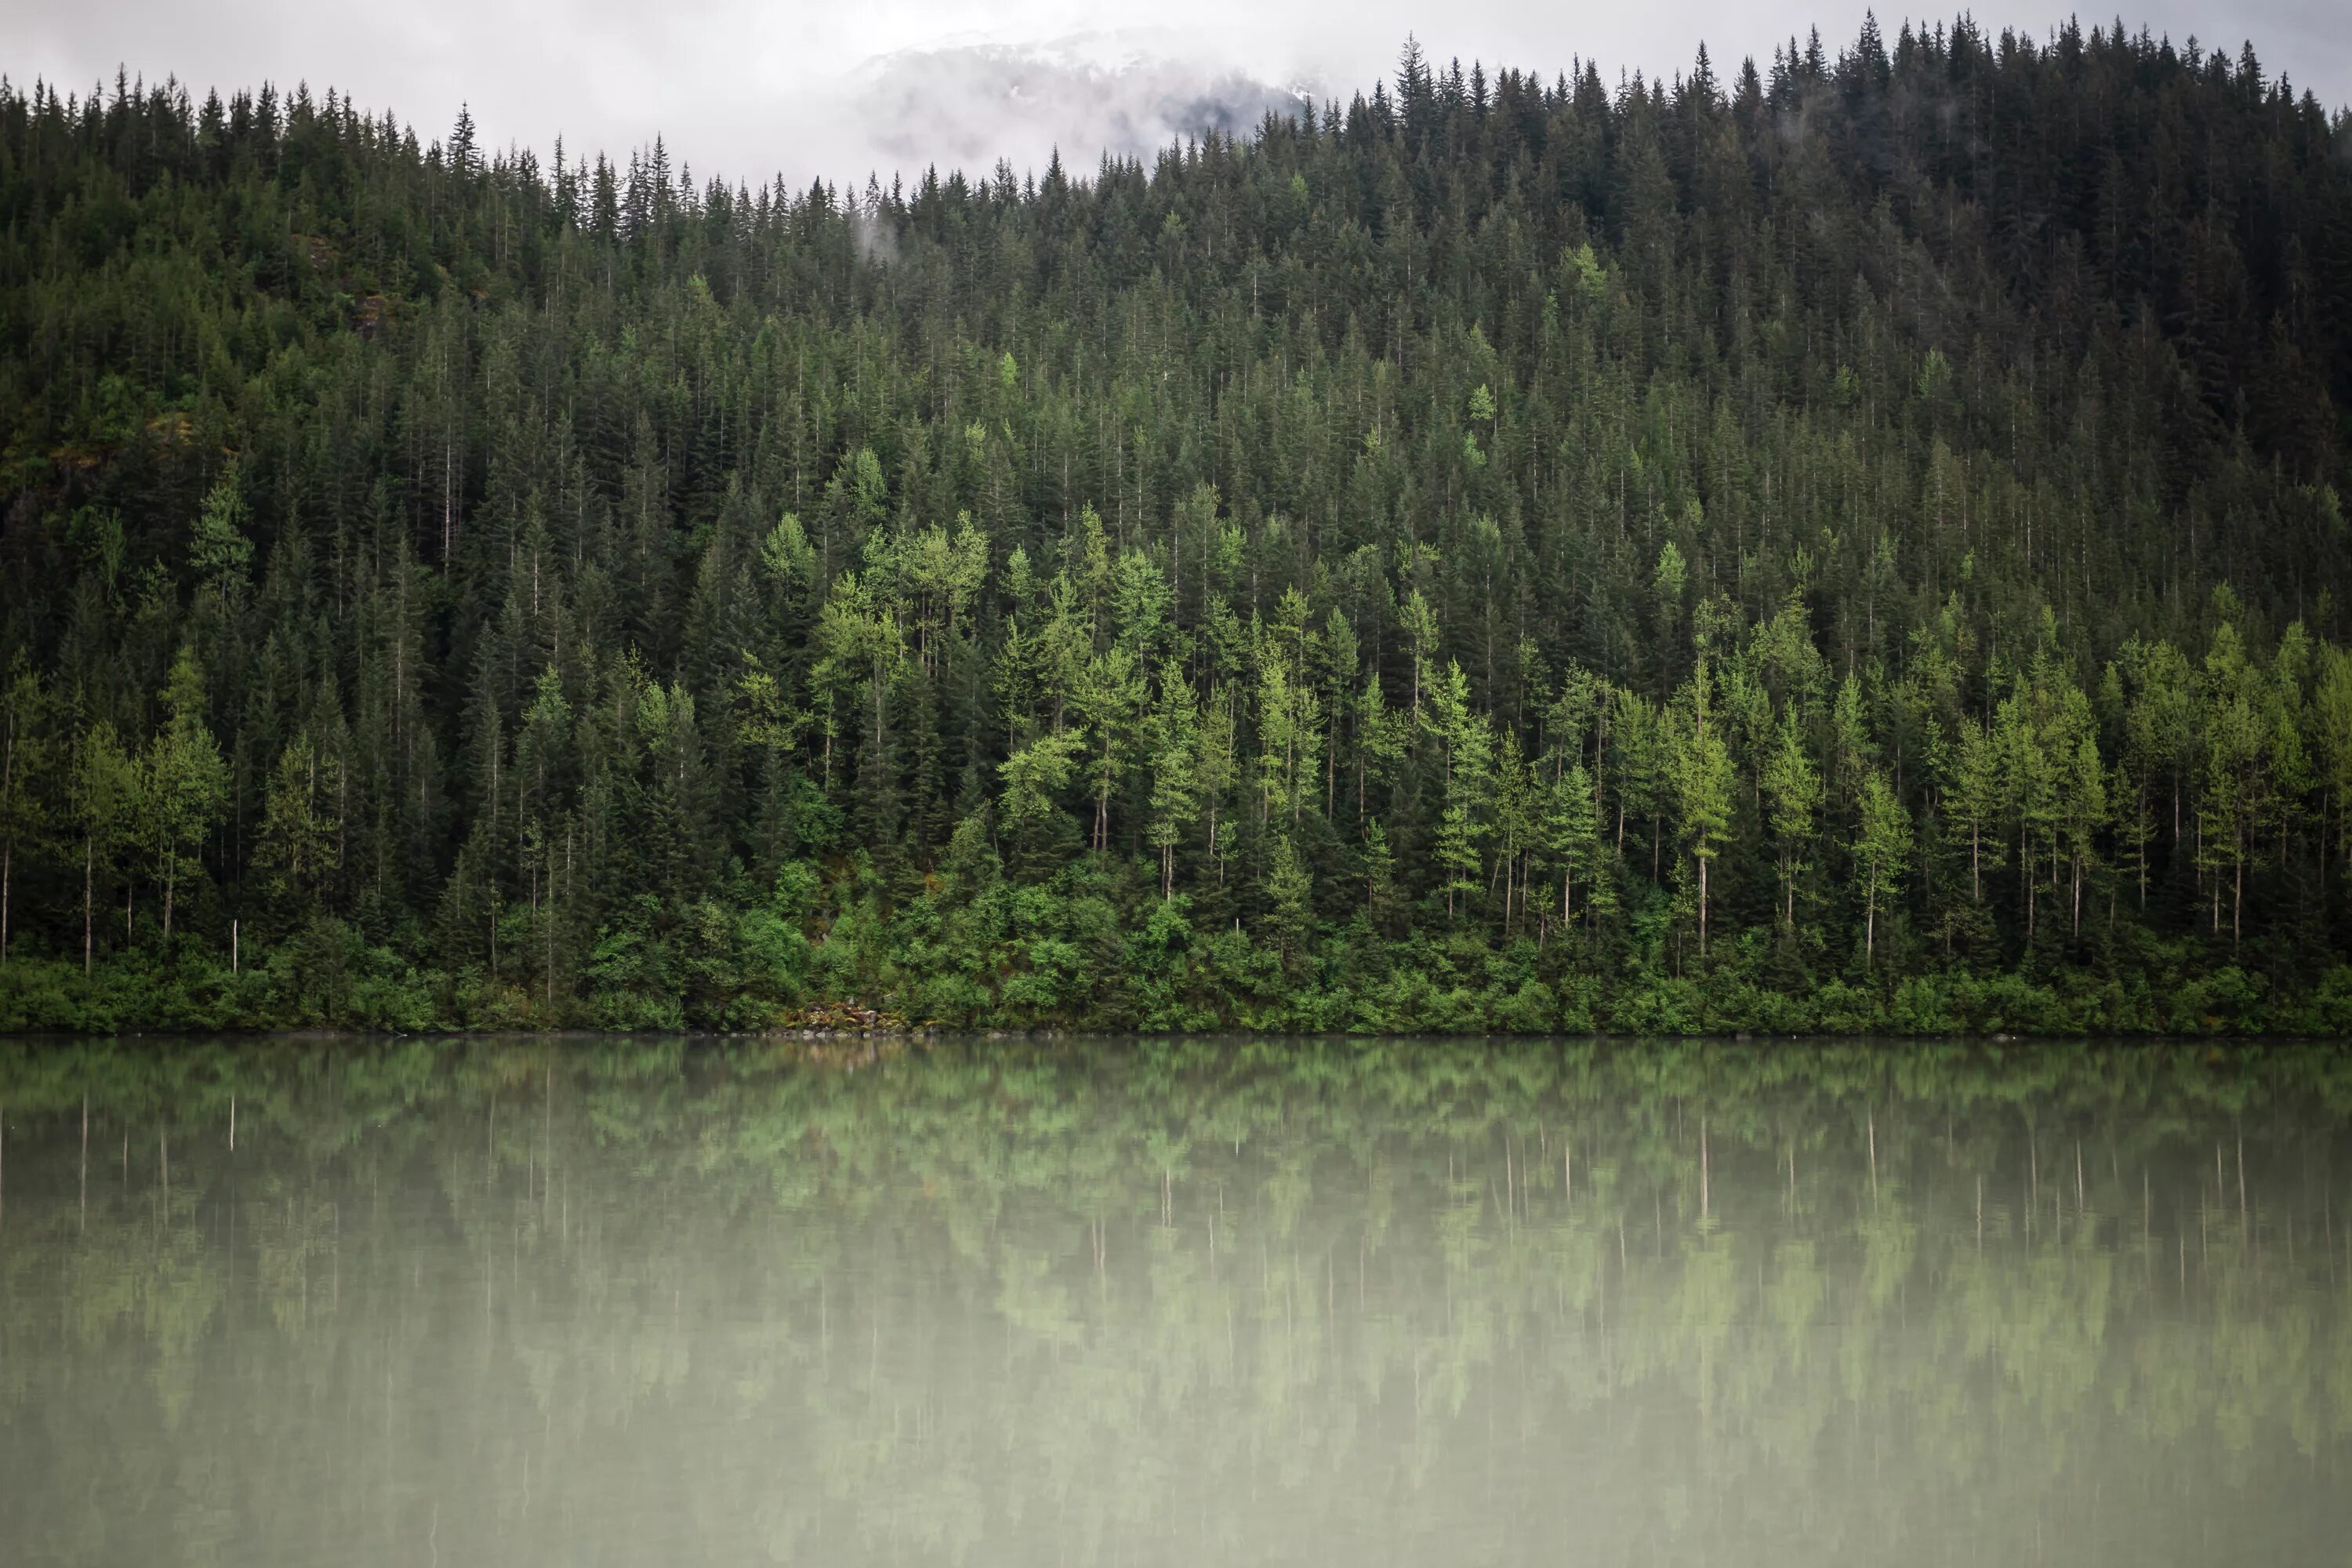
(1854, 542)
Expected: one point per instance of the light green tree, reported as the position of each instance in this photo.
(1518, 824)
(766, 719)
(1289, 892)
(943, 576)
(1792, 795)
(1035, 773)
(1703, 784)
(1572, 829)
(1110, 699)
(186, 780)
(1420, 633)
(1638, 763)
(788, 557)
(2331, 715)
(217, 547)
(1382, 735)
(296, 849)
(1341, 657)
(859, 643)
(1174, 738)
(2083, 809)
(1879, 855)
(105, 801)
(2026, 791)
(1219, 769)
(2230, 802)
(1289, 734)
(2160, 719)
(1974, 800)
(1465, 739)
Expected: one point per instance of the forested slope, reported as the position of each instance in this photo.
(1853, 544)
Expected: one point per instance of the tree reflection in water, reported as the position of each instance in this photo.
(1134, 1301)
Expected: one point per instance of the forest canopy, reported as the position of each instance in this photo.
(1856, 543)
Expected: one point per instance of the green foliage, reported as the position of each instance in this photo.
(1564, 601)
(217, 550)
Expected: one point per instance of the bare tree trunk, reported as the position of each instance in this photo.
(2237, 899)
(1702, 911)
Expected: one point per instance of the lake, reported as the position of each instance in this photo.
(655, 1302)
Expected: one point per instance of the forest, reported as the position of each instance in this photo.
(1851, 545)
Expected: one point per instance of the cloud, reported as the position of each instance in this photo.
(754, 87)
(969, 105)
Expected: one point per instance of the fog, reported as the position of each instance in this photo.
(747, 90)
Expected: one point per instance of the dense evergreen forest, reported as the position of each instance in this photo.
(1856, 544)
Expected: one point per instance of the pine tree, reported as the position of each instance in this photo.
(295, 849)
(1289, 892)
(851, 562)
(106, 803)
(1703, 791)
(1881, 852)
(1174, 738)
(26, 708)
(1466, 740)
(186, 782)
(1794, 789)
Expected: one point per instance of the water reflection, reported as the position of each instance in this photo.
(637, 1302)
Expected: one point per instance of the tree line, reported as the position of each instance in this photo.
(1852, 545)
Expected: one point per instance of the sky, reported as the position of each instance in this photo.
(750, 89)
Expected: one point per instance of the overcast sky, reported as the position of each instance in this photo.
(749, 87)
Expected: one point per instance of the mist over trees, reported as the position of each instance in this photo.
(1852, 544)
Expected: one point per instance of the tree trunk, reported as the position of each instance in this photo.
(2237, 899)
(1702, 906)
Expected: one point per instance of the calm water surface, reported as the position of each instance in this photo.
(662, 1302)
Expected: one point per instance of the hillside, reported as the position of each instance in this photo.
(1855, 543)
